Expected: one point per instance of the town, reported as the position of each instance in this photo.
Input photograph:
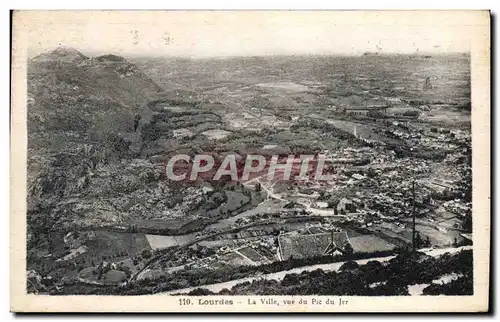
(234, 176)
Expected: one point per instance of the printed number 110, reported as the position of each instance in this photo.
(184, 301)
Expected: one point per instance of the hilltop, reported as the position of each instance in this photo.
(73, 92)
(62, 54)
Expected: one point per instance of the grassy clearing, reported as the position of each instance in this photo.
(159, 241)
(236, 260)
(114, 246)
(252, 254)
(370, 244)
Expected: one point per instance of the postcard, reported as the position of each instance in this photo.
(250, 161)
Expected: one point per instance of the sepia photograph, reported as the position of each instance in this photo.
(250, 161)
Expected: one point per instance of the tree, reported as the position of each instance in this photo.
(347, 266)
(146, 254)
(396, 286)
(137, 118)
(427, 242)
(290, 280)
(201, 291)
(460, 286)
(467, 223)
(348, 250)
(418, 240)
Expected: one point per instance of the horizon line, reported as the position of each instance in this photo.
(93, 53)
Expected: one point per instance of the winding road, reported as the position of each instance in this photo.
(325, 267)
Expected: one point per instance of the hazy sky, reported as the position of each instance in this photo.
(202, 33)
